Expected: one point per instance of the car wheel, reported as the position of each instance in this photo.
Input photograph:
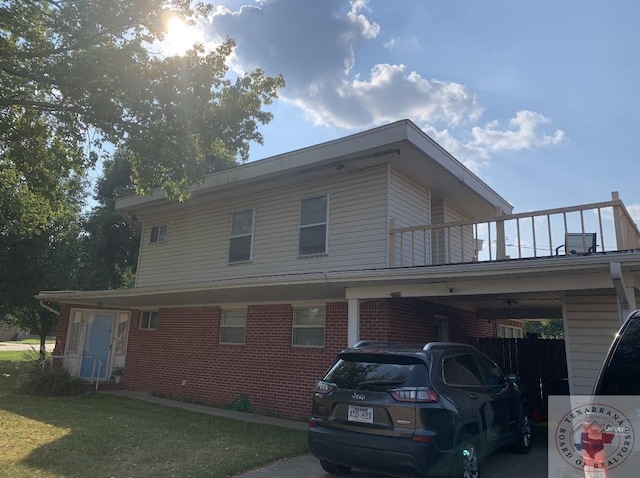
(523, 442)
(334, 469)
(467, 460)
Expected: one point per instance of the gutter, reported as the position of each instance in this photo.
(50, 309)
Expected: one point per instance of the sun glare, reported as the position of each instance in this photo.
(181, 37)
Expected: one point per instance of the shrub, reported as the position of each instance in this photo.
(44, 380)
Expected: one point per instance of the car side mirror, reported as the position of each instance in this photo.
(513, 378)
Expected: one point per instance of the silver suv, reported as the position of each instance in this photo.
(417, 411)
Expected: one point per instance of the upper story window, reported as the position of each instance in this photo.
(241, 242)
(308, 327)
(233, 326)
(159, 234)
(149, 320)
(313, 225)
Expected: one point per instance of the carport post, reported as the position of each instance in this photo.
(353, 326)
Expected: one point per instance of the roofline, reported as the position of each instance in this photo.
(340, 149)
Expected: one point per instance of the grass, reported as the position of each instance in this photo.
(12, 356)
(106, 436)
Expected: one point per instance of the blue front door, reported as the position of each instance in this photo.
(95, 354)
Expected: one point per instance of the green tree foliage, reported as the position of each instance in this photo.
(109, 244)
(44, 261)
(545, 329)
(77, 74)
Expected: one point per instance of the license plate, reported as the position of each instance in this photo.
(360, 414)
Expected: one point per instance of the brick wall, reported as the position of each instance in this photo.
(183, 358)
(412, 321)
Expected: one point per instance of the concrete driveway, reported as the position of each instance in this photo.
(13, 346)
(497, 465)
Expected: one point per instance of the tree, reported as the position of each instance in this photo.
(77, 75)
(545, 329)
(109, 244)
(46, 261)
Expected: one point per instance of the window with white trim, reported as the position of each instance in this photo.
(508, 332)
(313, 225)
(149, 320)
(308, 327)
(159, 234)
(233, 326)
(241, 242)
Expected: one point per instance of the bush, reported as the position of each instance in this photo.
(46, 381)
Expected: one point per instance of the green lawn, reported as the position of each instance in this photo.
(106, 436)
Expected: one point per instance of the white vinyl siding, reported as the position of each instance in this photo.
(591, 324)
(199, 246)
(409, 205)
(451, 245)
(460, 246)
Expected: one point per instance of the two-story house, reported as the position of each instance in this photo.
(250, 289)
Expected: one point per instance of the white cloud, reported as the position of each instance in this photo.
(475, 149)
(523, 133)
(473, 157)
(313, 44)
(388, 94)
(369, 29)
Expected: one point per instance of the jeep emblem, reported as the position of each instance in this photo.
(357, 396)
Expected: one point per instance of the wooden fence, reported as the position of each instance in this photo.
(541, 365)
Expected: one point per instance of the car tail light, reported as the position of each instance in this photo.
(414, 394)
(325, 388)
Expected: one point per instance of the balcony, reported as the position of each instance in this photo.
(579, 230)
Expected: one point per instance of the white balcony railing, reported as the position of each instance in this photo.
(545, 233)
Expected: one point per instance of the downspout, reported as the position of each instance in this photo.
(624, 304)
(43, 349)
(50, 309)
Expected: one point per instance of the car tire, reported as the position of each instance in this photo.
(523, 441)
(334, 469)
(467, 458)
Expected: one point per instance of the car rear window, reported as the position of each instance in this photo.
(378, 372)
(621, 374)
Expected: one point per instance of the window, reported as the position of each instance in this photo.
(313, 226)
(461, 370)
(159, 234)
(508, 332)
(308, 327)
(493, 376)
(241, 242)
(149, 320)
(379, 372)
(233, 325)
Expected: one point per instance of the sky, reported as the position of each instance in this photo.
(540, 99)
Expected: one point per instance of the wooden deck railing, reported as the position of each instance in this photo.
(516, 236)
